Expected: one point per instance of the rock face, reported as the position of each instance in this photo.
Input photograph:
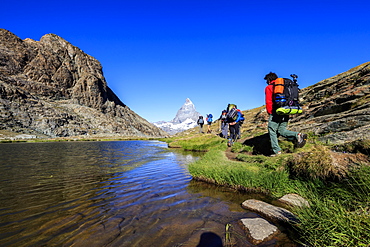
(186, 118)
(51, 88)
(338, 109)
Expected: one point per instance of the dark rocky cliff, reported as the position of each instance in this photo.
(51, 88)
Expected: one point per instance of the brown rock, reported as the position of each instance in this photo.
(50, 87)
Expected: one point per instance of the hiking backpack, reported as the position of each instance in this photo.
(241, 121)
(286, 93)
(209, 118)
(232, 113)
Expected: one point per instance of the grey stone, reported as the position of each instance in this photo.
(271, 212)
(259, 230)
(294, 200)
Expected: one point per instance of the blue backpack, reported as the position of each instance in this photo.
(209, 118)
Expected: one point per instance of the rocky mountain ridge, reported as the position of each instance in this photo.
(50, 88)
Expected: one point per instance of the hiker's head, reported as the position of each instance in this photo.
(270, 77)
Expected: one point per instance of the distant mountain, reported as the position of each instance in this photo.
(50, 88)
(186, 111)
(186, 118)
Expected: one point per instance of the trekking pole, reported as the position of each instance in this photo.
(294, 76)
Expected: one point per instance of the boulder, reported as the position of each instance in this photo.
(294, 200)
(275, 214)
(258, 230)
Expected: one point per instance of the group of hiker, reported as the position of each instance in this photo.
(281, 98)
(230, 120)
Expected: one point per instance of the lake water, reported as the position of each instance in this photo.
(118, 193)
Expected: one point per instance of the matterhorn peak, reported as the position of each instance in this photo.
(186, 111)
(188, 101)
(186, 118)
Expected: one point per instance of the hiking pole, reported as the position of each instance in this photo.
(294, 76)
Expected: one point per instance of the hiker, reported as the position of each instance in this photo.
(277, 124)
(200, 122)
(209, 122)
(224, 126)
(233, 118)
(240, 125)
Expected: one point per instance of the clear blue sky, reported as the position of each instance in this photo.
(157, 53)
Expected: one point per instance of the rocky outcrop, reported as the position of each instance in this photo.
(51, 88)
(338, 109)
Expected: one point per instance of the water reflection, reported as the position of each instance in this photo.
(127, 193)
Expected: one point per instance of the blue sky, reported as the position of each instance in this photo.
(155, 54)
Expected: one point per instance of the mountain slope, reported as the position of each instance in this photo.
(336, 110)
(51, 88)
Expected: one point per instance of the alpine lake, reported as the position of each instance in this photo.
(114, 193)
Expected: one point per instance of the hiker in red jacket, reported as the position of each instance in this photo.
(277, 124)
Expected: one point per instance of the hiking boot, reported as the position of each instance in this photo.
(301, 141)
(274, 155)
(229, 143)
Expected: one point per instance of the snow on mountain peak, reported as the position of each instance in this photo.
(186, 118)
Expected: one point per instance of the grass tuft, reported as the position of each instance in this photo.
(315, 164)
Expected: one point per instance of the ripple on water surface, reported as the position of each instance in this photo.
(123, 193)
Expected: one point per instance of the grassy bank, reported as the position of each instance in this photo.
(339, 195)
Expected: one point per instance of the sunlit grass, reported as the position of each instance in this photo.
(339, 214)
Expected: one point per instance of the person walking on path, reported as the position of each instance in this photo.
(277, 124)
(233, 118)
(224, 126)
(209, 122)
(200, 122)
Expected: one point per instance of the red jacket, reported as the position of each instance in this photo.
(269, 95)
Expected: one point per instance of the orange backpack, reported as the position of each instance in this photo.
(279, 86)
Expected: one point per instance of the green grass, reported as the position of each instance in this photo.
(197, 142)
(215, 167)
(339, 214)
